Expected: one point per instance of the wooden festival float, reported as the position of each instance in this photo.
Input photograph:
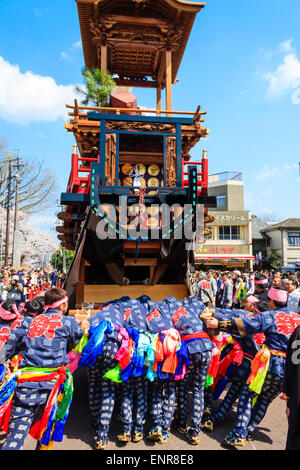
(137, 156)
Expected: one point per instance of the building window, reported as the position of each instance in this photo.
(221, 200)
(209, 236)
(294, 238)
(229, 232)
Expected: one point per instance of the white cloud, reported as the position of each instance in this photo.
(273, 171)
(287, 75)
(68, 56)
(65, 56)
(286, 46)
(77, 45)
(27, 97)
(266, 172)
(296, 95)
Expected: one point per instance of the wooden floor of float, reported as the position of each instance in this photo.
(101, 294)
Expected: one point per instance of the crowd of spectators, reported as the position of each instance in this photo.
(229, 289)
(23, 285)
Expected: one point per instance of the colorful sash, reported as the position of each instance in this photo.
(260, 366)
(94, 346)
(226, 366)
(170, 345)
(51, 425)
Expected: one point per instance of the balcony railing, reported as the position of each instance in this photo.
(225, 176)
(81, 111)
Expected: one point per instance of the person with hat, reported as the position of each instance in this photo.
(197, 345)
(54, 278)
(261, 287)
(235, 366)
(160, 326)
(134, 388)
(15, 290)
(34, 307)
(108, 320)
(42, 372)
(13, 327)
(267, 371)
(203, 290)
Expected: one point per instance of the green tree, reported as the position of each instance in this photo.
(275, 261)
(57, 261)
(98, 87)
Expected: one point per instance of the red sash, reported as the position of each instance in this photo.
(198, 335)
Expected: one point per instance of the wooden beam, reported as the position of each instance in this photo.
(136, 83)
(162, 71)
(159, 271)
(158, 100)
(169, 82)
(148, 160)
(141, 154)
(99, 294)
(156, 61)
(97, 108)
(140, 21)
(140, 262)
(131, 245)
(102, 152)
(80, 283)
(104, 57)
(178, 155)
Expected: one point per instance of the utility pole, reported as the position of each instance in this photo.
(5, 174)
(17, 176)
(8, 213)
(8, 162)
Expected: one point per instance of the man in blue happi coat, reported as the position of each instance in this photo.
(198, 345)
(162, 387)
(277, 324)
(134, 388)
(44, 346)
(240, 367)
(101, 390)
(13, 327)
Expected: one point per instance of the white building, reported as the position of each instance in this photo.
(285, 241)
(230, 244)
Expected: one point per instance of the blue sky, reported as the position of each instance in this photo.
(242, 65)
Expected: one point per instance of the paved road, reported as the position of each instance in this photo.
(270, 435)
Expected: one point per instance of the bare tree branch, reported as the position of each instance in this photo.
(37, 186)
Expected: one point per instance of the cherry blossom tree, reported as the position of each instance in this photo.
(32, 245)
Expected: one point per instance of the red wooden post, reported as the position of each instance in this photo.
(204, 173)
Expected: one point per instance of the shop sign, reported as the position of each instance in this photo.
(217, 250)
(230, 218)
(220, 262)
